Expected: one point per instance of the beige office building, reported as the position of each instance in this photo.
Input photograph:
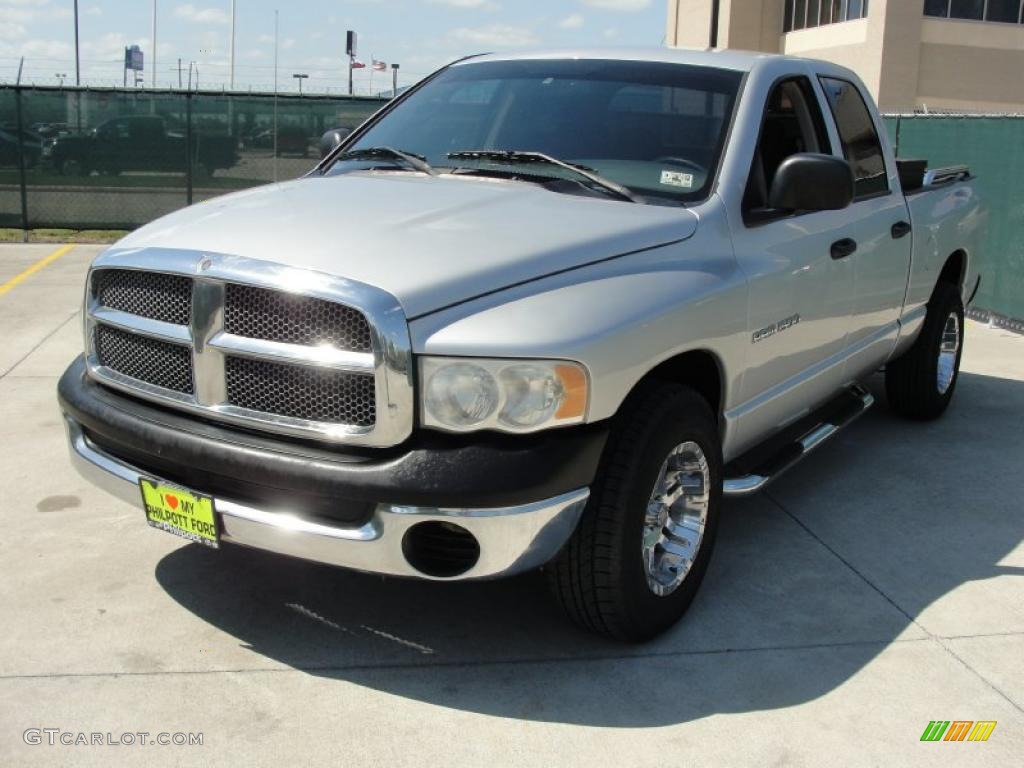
(941, 55)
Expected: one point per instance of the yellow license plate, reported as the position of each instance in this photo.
(180, 512)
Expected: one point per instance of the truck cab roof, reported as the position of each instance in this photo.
(737, 61)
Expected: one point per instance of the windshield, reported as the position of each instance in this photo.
(655, 128)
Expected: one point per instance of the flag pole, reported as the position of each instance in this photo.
(78, 77)
(373, 66)
(231, 78)
(152, 81)
(275, 94)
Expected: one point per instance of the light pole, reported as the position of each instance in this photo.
(78, 76)
(152, 82)
(60, 77)
(351, 43)
(275, 91)
(300, 78)
(231, 79)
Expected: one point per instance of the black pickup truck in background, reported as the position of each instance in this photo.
(141, 143)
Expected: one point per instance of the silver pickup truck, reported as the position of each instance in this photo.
(543, 310)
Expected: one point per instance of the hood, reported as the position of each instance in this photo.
(429, 241)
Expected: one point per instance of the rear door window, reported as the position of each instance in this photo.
(861, 146)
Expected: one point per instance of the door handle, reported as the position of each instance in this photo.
(843, 248)
(900, 229)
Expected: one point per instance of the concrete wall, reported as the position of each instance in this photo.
(906, 60)
(751, 25)
(689, 23)
(971, 65)
(853, 44)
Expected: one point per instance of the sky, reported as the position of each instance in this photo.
(420, 35)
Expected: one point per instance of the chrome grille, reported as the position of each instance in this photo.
(301, 392)
(214, 335)
(152, 361)
(163, 297)
(257, 313)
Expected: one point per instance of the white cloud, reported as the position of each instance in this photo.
(618, 5)
(12, 31)
(202, 15)
(111, 46)
(610, 34)
(572, 21)
(93, 10)
(42, 49)
(487, 5)
(495, 36)
(16, 14)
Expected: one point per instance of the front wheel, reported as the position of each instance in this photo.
(643, 544)
(920, 384)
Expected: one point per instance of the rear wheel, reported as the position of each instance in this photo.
(920, 384)
(643, 544)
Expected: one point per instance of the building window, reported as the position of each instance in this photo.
(1003, 10)
(967, 9)
(804, 14)
(1006, 11)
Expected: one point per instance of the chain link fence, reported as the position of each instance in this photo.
(993, 147)
(116, 159)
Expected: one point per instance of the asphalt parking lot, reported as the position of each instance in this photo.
(877, 587)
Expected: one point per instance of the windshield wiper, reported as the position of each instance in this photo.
(512, 156)
(372, 153)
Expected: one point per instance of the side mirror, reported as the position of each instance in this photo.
(331, 139)
(812, 182)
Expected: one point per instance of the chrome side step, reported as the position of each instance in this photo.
(791, 453)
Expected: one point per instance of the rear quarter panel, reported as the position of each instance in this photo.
(945, 220)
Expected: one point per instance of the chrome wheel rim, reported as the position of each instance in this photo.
(947, 353)
(677, 513)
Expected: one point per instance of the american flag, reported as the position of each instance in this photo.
(357, 64)
(380, 66)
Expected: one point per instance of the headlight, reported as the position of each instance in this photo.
(464, 394)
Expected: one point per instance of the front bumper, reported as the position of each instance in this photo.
(375, 537)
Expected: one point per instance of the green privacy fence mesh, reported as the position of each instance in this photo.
(116, 159)
(993, 147)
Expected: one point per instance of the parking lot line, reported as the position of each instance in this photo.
(31, 270)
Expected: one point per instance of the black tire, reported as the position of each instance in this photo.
(599, 577)
(911, 382)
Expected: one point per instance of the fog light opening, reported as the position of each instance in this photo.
(440, 549)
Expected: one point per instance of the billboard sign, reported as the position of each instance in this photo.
(133, 58)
